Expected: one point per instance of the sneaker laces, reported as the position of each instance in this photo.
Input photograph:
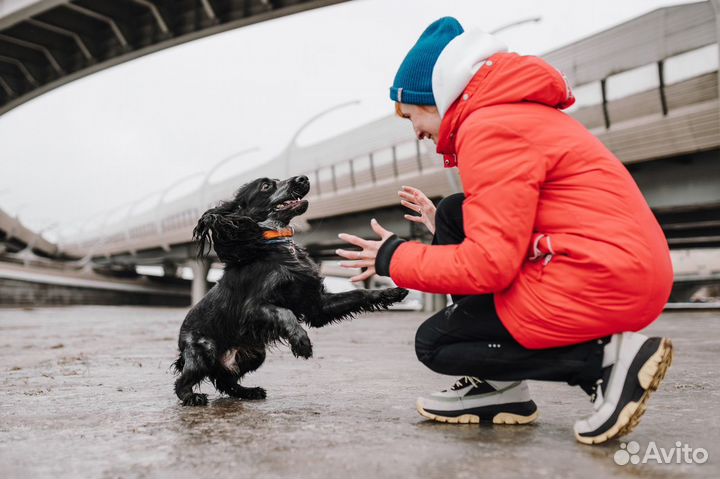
(466, 381)
(596, 396)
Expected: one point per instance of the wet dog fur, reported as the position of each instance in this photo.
(269, 290)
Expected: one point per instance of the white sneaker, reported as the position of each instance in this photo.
(621, 395)
(471, 400)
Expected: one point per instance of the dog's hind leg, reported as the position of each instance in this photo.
(197, 361)
(227, 381)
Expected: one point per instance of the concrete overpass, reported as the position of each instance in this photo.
(648, 88)
(47, 43)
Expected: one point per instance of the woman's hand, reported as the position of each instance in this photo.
(366, 257)
(417, 201)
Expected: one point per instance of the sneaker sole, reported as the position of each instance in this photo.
(499, 418)
(649, 376)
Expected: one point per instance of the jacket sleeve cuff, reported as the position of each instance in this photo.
(385, 253)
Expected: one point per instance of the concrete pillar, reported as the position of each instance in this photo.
(170, 269)
(200, 268)
(433, 302)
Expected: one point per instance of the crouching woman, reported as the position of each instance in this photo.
(552, 255)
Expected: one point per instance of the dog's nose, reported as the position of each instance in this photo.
(303, 180)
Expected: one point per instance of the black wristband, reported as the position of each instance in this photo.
(385, 253)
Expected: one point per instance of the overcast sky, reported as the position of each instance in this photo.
(115, 136)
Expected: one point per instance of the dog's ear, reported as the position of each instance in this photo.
(228, 234)
(201, 232)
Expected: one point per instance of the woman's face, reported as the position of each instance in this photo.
(425, 120)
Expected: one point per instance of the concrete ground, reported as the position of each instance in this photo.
(86, 392)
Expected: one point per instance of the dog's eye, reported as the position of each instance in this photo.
(265, 186)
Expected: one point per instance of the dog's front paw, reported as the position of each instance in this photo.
(302, 347)
(392, 295)
(195, 399)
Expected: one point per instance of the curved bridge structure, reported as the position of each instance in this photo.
(47, 43)
(664, 125)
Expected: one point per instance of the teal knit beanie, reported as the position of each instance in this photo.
(413, 81)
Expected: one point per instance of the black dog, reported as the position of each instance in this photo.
(270, 286)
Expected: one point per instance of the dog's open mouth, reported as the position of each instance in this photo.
(290, 204)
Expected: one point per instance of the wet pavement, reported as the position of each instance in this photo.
(87, 392)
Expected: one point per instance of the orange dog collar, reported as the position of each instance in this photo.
(282, 233)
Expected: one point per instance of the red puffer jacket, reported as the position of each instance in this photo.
(555, 225)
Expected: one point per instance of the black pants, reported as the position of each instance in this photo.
(468, 338)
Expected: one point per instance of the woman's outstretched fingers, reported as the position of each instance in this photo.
(377, 228)
(415, 200)
(366, 257)
(354, 240)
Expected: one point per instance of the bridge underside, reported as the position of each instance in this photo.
(45, 44)
(15, 237)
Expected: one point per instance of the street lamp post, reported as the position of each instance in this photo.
(180, 181)
(515, 24)
(293, 141)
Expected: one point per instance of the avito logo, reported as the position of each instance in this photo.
(680, 454)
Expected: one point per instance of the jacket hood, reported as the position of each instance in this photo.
(458, 62)
(503, 78)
